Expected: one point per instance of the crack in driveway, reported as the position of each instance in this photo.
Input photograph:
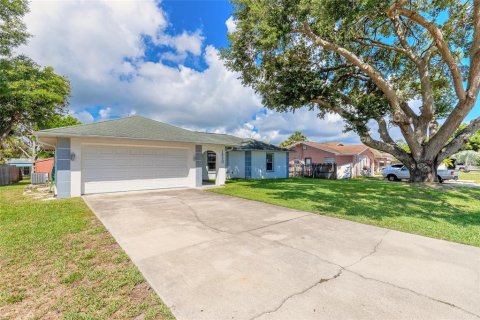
(346, 268)
(375, 248)
(323, 280)
(414, 292)
(195, 214)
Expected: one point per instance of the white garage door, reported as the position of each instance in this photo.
(120, 168)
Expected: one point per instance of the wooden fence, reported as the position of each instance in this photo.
(314, 170)
(9, 174)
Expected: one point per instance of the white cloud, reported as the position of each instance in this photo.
(105, 113)
(276, 127)
(231, 24)
(183, 43)
(98, 46)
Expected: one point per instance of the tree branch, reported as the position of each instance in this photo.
(440, 43)
(473, 77)
(426, 115)
(27, 155)
(383, 131)
(392, 149)
(377, 78)
(373, 73)
(460, 139)
(401, 36)
(379, 44)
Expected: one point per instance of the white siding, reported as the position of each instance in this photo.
(236, 164)
(259, 165)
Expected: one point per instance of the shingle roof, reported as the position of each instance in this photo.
(337, 148)
(252, 144)
(136, 127)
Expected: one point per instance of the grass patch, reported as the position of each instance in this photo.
(450, 213)
(58, 261)
(472, 176)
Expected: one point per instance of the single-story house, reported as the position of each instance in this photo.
(253, 159)
(351, 159)
(44, 166)
(24, 164)
(138, 153)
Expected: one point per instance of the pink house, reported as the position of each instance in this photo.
(44, 166)
(351, 159)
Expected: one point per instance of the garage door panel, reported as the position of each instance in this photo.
(120, 168)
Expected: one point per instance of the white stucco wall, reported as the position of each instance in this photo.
(77, 144)
(236, 164)
(259, 165)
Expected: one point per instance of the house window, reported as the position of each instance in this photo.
(211, 161)
(269, 161)
(329, 160)
(308, 161)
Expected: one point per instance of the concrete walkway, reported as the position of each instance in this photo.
(210, 256)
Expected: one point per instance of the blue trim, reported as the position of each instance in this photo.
(62, 165)
(198, 166)
(248, 164)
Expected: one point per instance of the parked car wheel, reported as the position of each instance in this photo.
(392, 177)
(440, 179)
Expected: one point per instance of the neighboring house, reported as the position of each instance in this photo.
(137, 153)
(23, 163)
(351, 159)
(382, 159)
(254, 159)
(44, 166)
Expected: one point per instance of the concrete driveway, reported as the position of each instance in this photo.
(210, 256)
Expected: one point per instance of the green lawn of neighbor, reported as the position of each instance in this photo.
(472, 176)
(58, 261)
(450, 213)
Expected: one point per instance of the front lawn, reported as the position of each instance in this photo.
(58, 261)
(450, 213)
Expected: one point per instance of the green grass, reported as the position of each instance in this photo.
(58, 261)
(450, 213)
(472, 176)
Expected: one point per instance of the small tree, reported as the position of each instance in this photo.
(365, 61)
(29, 94)
(297, 136)
(23, 141)
(468, 158)
(12, 29)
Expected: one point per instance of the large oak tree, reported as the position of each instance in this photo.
(366, 61)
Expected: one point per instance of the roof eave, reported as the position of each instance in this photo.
(71, 135)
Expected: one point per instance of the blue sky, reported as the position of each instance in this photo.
(160, 60)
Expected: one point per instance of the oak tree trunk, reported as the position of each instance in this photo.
(423, 171)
